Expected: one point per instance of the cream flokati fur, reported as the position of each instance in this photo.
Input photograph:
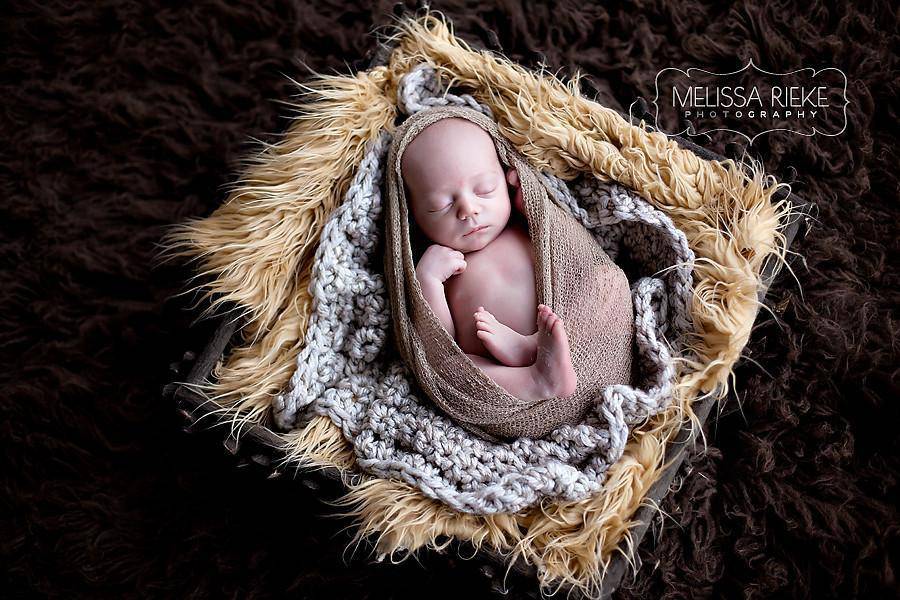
(256, 250)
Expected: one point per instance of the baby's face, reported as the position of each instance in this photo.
(457, 188)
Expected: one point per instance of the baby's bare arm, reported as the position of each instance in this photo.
(437, 265)
(434, 293)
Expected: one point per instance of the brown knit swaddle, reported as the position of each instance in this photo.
(573, 276)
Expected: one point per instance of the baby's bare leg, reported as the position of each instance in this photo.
(551, 374)
(505, 344)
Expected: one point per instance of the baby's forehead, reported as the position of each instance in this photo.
(455, 127)
(437, 142)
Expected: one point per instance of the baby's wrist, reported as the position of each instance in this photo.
(429, 280)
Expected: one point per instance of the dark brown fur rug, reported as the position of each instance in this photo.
(119, 118)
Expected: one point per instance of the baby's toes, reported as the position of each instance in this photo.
(483, 326)
(482, 323)
(552, 320)
(483, 315)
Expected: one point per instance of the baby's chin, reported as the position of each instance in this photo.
(471, 248)
(478, 243)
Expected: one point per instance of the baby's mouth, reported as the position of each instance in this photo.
(476, 230)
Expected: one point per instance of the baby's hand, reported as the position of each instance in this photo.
(440, 263)
(513, 178)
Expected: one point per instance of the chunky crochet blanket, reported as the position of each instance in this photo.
(349, 372)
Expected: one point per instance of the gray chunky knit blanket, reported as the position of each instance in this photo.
(349, 371)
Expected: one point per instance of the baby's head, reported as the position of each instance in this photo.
(456, 187)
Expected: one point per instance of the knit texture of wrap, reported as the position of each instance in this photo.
(573, 276)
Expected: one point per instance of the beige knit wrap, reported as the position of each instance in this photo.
(573, 276)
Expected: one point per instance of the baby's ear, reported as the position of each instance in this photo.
(512, 177)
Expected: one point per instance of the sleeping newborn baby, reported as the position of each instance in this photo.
(478, 272)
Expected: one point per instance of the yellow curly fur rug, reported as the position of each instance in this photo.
(256, 251)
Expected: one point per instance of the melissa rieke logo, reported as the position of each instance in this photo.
(750, 101)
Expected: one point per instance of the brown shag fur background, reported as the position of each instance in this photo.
(120, 118)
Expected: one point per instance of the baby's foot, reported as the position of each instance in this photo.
(553, 372)
(507, 345)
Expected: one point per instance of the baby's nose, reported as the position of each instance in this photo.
(466, 207)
